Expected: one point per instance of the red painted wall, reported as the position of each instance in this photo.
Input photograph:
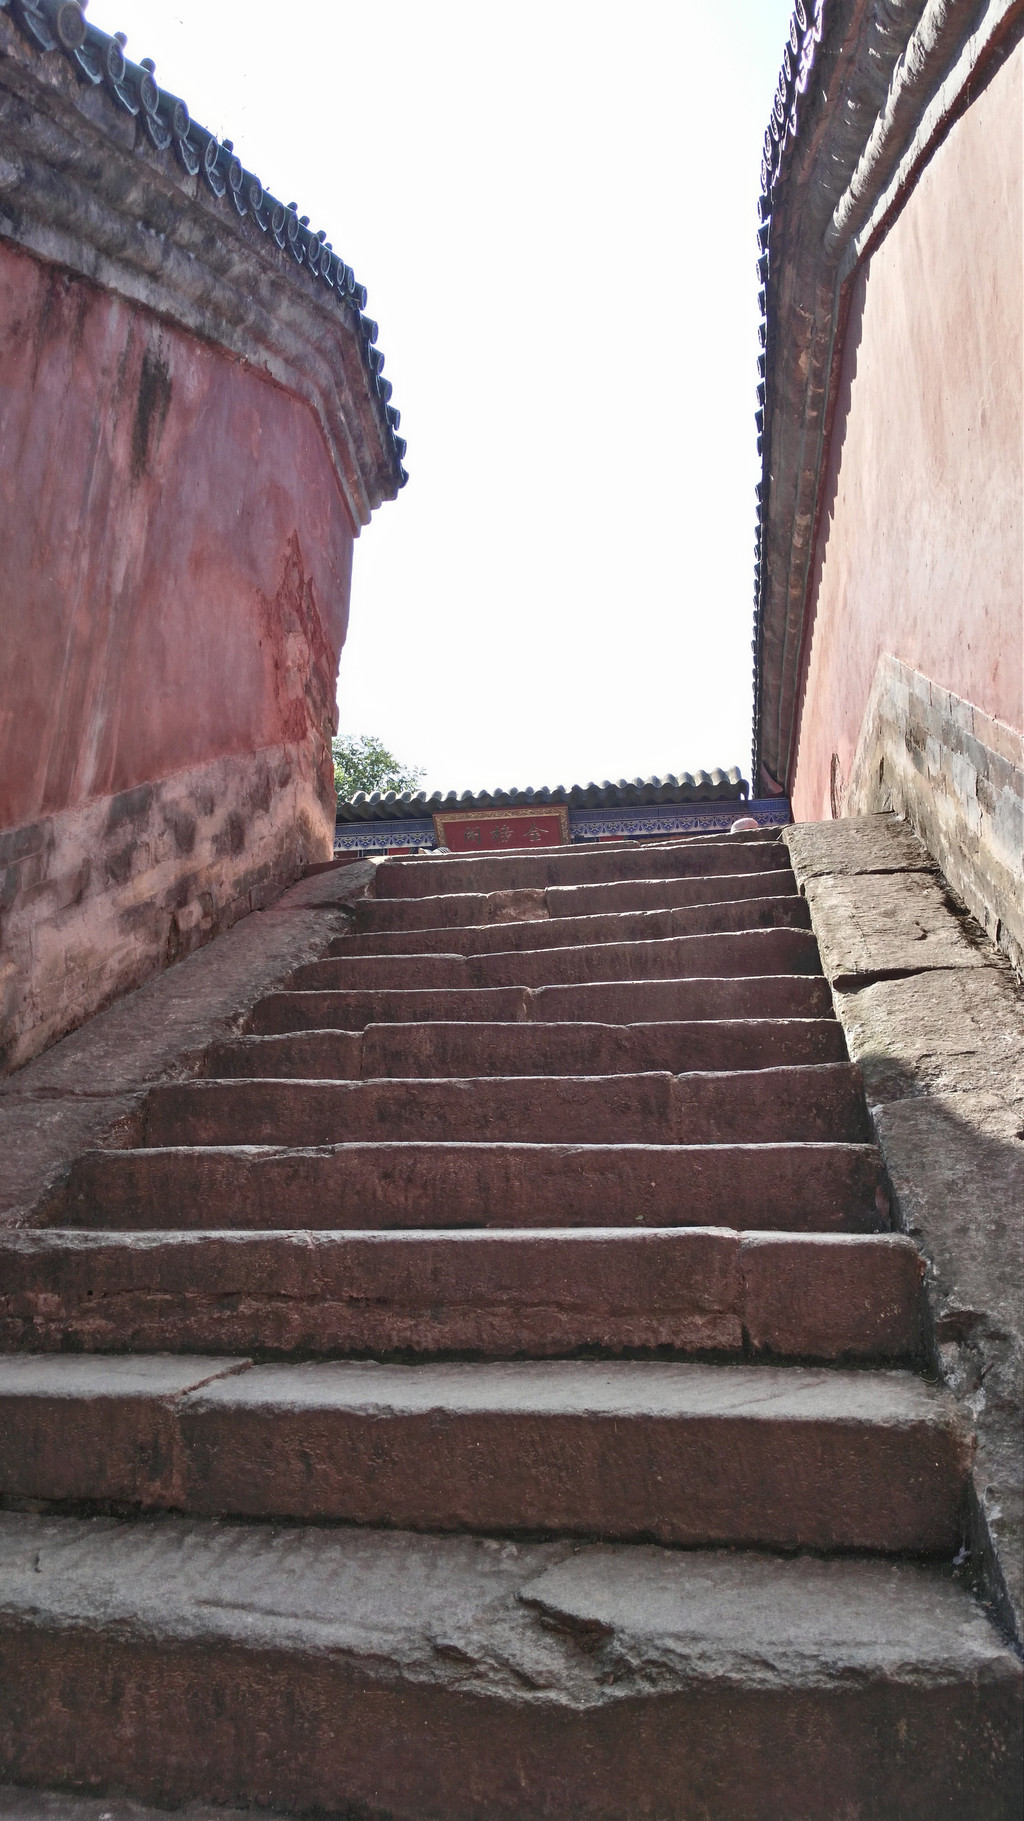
(176, 551)
(920, 548)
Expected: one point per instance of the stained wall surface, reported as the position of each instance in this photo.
(920, 546)
(173, 601)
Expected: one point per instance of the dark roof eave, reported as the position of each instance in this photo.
(689, 787)
(109, 177)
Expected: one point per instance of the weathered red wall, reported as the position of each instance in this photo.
(173, 601)
(920, 548)
(170, 526)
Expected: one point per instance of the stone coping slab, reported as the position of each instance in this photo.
(934, 1016)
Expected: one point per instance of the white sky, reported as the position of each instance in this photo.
(552, 204)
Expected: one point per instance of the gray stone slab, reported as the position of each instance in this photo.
(336, 887)
(61, 1805)
(855, 845)
(721, 1614)
(956, 1165)
(946, 1031)
(603, 1389)
(942, 1053)
(85, 1376)
(887, 924)
(957, 1170)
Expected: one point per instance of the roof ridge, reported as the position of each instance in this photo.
(686, 786)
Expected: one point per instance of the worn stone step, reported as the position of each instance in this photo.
(456, 909)
(753, 1455)
(803, 1187)
(576, 866)
(346, 1670)
(815, 1103)
(501, 1293)
(463, 1049)
(762, 951)
(561, 932)
(611, 1002)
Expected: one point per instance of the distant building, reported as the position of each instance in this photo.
(632, 809)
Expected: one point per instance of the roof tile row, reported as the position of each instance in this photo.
(165, 125)
(688, 787)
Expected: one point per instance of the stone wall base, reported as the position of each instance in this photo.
(957, 777)
(94, 900)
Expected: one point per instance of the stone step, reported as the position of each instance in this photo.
(762, 951)
(561, 932)
(610, 1002)
(345, 1671)
(576, 866)
(500, 1293)
(463, 1049)
(757, 1456)
(456, 909)
(799, 1104)
(794, 1187)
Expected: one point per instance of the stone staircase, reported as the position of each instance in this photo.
(492, 1391)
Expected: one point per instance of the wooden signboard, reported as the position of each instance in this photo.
(488, 831)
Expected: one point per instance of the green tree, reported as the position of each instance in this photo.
(362, 762)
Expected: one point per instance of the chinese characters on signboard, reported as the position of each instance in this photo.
(469, 832)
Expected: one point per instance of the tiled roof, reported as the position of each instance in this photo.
(688, 787)
(59, 33)
(803, 39)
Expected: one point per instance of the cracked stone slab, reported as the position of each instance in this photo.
(947, 1031)
(98, 1424)
(894, 923)
(345, 1671)
(686, 1613)
(855, 845)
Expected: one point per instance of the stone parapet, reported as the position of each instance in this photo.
(934, 1017)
